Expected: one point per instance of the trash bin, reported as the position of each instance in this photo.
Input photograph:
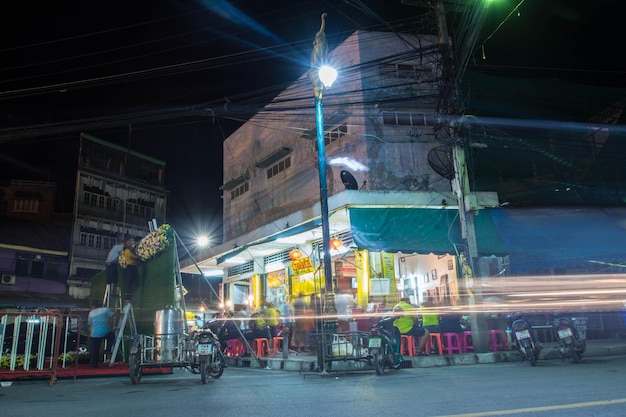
(581, 326)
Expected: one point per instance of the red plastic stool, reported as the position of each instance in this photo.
(496, 340)
(275, 343)
(407, 345)
(468, 344)
(261, 346)
(452, 343)
(435, 338)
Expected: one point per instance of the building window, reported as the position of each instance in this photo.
(243, 188)
(97, 200)
(406, 71)
(404, 119)
(335, 134)
(25, 206)
(33, 266)
(279, 167)
(95, 240)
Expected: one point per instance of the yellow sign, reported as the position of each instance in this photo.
(302, 266)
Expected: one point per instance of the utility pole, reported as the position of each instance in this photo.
(449, 105)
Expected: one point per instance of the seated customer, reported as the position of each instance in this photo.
(407, 322)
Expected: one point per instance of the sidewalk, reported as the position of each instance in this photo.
(307, 362)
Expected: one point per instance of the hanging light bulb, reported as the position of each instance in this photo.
(336, 243)
(295, 254)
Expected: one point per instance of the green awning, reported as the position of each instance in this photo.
(420, 230)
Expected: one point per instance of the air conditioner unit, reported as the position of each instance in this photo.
(8, 279)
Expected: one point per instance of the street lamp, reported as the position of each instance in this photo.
(322, 77)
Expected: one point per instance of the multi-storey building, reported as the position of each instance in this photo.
(394, 198)
(34, 244)
(379, 136)
(118, 192)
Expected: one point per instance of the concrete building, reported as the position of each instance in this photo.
(118, 191)
(382, 163)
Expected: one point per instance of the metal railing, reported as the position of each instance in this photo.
(39, 343)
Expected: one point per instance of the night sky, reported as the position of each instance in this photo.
(172, 79)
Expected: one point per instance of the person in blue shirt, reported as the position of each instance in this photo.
(99, 330)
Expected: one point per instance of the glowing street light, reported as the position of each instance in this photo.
(202, 241)
(322, 76)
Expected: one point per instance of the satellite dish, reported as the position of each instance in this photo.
(348, 181)
(440, 160)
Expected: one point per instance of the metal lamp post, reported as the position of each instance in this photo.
(322, 76)
(327, 76)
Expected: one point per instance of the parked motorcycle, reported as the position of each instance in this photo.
(525, 342)
(570, 344)
(383, 345)
(209, 355)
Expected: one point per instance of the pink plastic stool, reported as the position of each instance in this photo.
(497, 340)
(235, 347)
(468, 344)
(452, 343)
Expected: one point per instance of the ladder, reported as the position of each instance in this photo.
(128, 318)
(117, 297)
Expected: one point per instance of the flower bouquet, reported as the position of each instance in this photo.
(155, 243)
(121, 261)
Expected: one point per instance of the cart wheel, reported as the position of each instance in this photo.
(204, 371)
(135, 367)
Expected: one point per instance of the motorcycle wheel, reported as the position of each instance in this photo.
(204, 371)
(216, 369)
(575, 356)
(379, 362)
(134, 363)
(530, 354)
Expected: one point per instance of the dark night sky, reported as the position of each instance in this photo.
(120, 61)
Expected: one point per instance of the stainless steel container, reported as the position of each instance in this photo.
(168, 331)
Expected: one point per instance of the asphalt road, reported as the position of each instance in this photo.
(552, 388)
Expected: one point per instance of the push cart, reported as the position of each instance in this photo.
(170, 346)
(336, 346)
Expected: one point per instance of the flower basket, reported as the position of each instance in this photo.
(155, 243)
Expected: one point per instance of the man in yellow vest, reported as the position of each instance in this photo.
(407, 322)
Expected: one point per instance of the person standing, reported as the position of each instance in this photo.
(344, 304)
(112, 262)
(99, 330)
(304, 324)
(132, 263)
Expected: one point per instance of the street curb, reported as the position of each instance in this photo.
(309, 363)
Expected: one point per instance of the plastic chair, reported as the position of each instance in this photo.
(407, 345)
(468, 344)
(435, 338)
(235, 347)
(261, 346)
(496, 340)
(452, 343)
(275, 343)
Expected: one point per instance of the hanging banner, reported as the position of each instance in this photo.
(302, 266)
(387, 260)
